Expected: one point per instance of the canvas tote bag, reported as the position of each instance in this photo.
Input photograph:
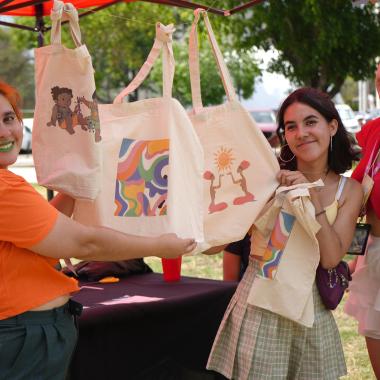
(290, 258)
(66, 130)
(240, 168)
(152, 160)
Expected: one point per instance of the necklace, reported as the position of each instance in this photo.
(318, 189)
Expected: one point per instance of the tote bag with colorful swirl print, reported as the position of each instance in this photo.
(152, 160)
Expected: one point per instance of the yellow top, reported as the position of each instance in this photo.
(332, 209)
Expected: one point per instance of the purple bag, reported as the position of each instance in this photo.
(332, 283)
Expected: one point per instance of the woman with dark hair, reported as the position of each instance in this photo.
(254, 343)
(341, 153)
(37, 332)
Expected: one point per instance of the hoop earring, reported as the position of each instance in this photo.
(331, 147)
(285, 161)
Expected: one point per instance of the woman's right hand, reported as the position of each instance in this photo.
(170, 246)
(291, 177)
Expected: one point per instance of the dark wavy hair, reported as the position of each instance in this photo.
(342, 155)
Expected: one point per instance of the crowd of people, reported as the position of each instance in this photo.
(37, 333)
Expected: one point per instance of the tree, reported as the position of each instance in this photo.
(119, 53)
(319, 42)
(242, 68)
(119, 39)
(17, 67)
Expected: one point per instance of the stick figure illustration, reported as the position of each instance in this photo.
(214, 207)
(248, 197)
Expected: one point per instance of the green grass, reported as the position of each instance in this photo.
(358, 365)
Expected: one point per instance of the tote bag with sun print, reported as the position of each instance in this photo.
(240, 167)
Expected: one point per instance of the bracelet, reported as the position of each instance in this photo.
(320, 213)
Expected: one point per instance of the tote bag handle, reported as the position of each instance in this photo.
(163, 41)
(62, 12)
(194, 62)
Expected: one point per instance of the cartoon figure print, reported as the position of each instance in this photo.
(61, 111)
(92, 120)
(223, 161)
(68, 119)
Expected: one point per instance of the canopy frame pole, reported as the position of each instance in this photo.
(243, 6)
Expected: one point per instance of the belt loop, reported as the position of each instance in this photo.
(75, 309)
(18, 319)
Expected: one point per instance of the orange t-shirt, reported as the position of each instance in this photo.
(27, 280)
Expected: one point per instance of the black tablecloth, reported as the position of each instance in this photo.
(151, 328)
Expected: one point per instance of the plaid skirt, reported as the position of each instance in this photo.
(253, 343)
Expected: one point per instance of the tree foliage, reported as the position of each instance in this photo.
(120, 37)
(242, 68)
(17, 67)
(320, 42)
(118, 54)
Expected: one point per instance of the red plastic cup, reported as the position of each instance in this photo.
(172, 269)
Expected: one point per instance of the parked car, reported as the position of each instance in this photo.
(374, 114)
(349, 120)
(26, 146)
(266, 121)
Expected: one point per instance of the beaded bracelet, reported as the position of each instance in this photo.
(320, 213)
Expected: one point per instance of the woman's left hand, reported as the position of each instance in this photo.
(291, 177)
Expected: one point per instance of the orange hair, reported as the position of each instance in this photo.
(13, 97)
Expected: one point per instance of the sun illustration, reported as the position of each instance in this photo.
(224, 159)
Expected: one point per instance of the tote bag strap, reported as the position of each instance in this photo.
(163, 41)
(194, 62)
(62, 12)
(372, 161)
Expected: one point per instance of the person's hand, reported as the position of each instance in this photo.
(291, 177)
(170, 246)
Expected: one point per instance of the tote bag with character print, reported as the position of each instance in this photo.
(66, 129)
(240, 167)
(152, 160)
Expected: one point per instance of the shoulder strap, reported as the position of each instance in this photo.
(163, 40)
(341, 184)
(194, 62)
(374, 165)
(61, 12)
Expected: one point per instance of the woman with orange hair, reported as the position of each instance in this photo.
(37, 333)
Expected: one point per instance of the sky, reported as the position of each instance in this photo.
(270, 89)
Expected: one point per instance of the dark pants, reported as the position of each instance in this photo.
(37, 345)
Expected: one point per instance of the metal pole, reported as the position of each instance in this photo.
(40, 28)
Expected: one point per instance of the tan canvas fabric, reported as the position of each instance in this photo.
(290, 257)
(152, 160)
(66, 130)
(240, 167)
